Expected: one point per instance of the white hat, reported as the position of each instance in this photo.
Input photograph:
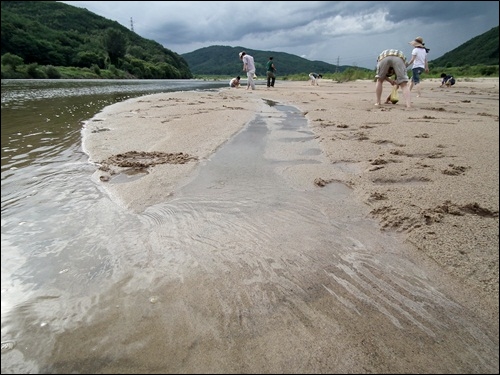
(241, 54)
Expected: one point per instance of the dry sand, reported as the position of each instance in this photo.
(429, 173)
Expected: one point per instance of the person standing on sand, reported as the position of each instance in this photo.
(271, 69)
(249, 68)
(392, 58)
(419, 61)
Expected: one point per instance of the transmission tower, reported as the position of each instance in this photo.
(131, 24)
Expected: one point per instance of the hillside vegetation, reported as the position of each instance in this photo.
(217, 60)
(477, 57)
(480, 50)
(48, 39)
(40, 38)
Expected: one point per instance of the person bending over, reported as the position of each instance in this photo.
(392, 58)
(249, 68)
(314, 77)
(447, 81)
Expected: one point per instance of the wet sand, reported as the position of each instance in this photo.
(428, 175)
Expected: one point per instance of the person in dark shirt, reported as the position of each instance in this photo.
(314, 77)
(447, 81)
(271, 68)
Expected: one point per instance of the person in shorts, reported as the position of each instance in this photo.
(418, 61)
(395, 59)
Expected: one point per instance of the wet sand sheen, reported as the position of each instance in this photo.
(253, 267)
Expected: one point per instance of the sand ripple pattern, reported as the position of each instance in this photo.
(276, 248)
(248, 270)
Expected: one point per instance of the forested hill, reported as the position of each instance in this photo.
(480, 50)
(57, 34)
(54, 34)
(216, 60)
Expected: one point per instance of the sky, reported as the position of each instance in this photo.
(336, 32)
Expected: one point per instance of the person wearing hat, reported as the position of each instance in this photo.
(395, 59)
(419, 61)
(249, 68)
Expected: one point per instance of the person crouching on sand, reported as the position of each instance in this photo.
(235, 82)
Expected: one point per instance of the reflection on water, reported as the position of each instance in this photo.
(56, 223)
(42, 117)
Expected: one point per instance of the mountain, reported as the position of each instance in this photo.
(224, 60)
(480, 50)
(61, 35)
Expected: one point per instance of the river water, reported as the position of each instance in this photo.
(52, 221)
(245, 270)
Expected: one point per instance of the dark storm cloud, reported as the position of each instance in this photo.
(349, 32)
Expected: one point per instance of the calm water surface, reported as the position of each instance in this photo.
(55, 222)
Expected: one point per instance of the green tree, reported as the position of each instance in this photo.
(34, 71)
(115, 43)
(52, 72)
(85, 59)
(12, 60)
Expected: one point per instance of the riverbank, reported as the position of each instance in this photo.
(430, 173)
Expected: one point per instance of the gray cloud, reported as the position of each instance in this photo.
(345, 32)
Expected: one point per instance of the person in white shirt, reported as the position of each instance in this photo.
(235, 82)
(419, 61)
(249, 67)
(313, 77)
